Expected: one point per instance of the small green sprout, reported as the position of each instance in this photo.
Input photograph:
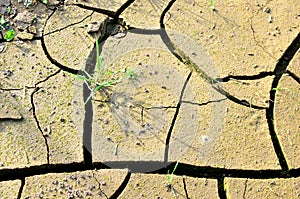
(103, 77)
(170, 176)
(8, 10)
(9, 35)
(46, 2)
(212, 5)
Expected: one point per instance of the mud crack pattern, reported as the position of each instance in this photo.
(215, 91)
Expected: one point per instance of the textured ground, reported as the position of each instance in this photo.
(222, 99)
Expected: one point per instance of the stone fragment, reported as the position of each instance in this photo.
(94, 27)
(25, 36)
(32, 29)
(23, 20)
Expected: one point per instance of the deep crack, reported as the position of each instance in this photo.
(182, 170)
(21, 188)
(245, 77)
(98, 10)
(185, 189)
(121, 188)
(221, 188)
(294, 76)
(280, 69)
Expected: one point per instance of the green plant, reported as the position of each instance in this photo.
(46, 2)
(9, 35)
(212, 5)
(103, 77)
(170, 177)
(8, 10)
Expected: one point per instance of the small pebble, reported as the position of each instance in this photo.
(270, 19)
(88, 193)
(7, 73)
(92, 187)
(55, 182)
(205, 138)
(13, 94)
(73, 177)
(89, 175)
(272, 183)
(94, 27)
(61, 185)
(267, 9)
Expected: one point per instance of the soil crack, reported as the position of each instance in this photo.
(52, 60)
(99, 185)
(21, 188)
(70, 25)
(38, 123)
(294, 76)
(183, 58)
(122, 186)
(185, 189)
(183, 169)
(204, 103)
(280, 69)
(221, 188)
(108, 13)
(246, 77)
(245, 189)
(166, 156)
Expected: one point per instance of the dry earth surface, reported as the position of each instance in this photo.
(214, 89)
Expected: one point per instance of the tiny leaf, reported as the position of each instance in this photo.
(8, 9)
(46, 2)
(9, 35)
